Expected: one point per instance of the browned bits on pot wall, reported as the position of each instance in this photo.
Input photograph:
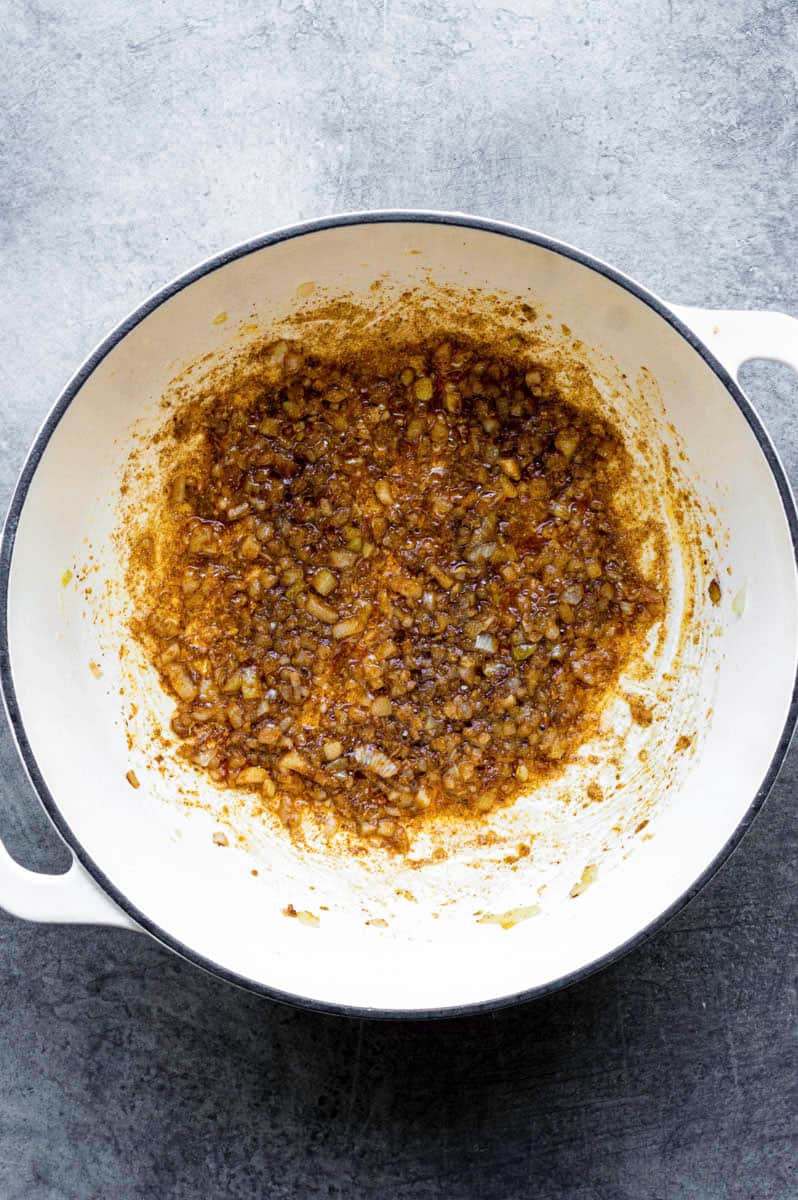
(380, 593)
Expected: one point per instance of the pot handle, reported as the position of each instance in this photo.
(69, 899)
(735, 336)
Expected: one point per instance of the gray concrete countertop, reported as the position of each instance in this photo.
(137, 139)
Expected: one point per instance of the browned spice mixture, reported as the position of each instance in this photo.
(378, 593)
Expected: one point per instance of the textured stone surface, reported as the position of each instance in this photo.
(658, 134)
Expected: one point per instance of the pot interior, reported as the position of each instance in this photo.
(721, 693)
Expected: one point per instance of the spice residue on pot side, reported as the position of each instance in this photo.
(389, 580)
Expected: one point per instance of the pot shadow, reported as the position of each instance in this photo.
(332, 1106)
(663, 1075)
(586, 1093)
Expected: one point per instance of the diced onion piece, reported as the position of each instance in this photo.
(382, 491)
(177, 492)
(232, 683)
(181, 681)
(452, 400)
(252, 775)
(511, 468)
(482, 550)
(508, 919)
(566, 442)
(324, 582)
(411, 589)
(440, 431)
(442, 578)
(250, 689)
(203, 540)
(340, 559)
(250, 547)
(588, 876)
(374, 760)
(347, 628)
(293, 761)
(423, 798)
(321, 611)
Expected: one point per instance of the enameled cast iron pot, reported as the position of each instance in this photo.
(132, 871)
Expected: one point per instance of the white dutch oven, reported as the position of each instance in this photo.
(142, 863)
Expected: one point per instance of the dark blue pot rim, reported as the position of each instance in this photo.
(62, 404)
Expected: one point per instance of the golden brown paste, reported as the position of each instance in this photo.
(376, 594)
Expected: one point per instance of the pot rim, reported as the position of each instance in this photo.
(71, 390)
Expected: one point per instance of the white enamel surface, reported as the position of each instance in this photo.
(162, 858)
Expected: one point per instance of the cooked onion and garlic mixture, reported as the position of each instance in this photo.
(377, 594)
